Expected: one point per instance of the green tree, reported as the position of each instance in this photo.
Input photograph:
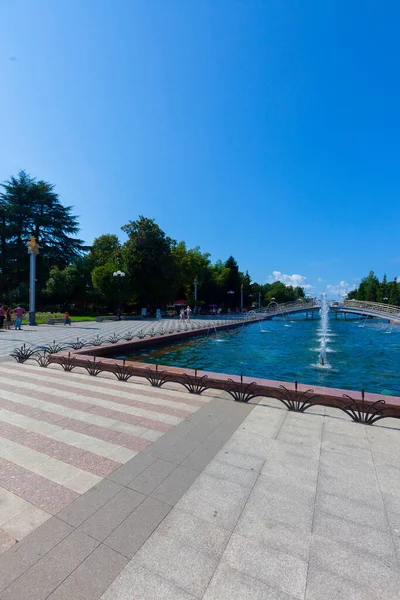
(148, 260)
(104, 248)
(32, 208)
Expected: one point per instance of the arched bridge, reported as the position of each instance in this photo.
(356, 307)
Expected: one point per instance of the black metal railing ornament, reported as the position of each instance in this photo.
(43, 360)
(113, 339)
(128, 336)
(54, 348)
(97, 341)
(241, 391)
(23, 353)
(122, 372)
(93, 367)
(78, 345)
(294, 400)
(68, 363)
(141, 334)
(195, 384)
(364, 412)
(155, 377)
(152, 332)
(162, 331)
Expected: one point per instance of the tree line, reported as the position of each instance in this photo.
(373, 290)
(158, 269)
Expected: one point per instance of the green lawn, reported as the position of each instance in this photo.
(42, 318)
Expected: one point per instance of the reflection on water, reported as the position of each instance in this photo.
(359, 357)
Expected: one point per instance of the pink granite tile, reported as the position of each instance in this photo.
(35, 441)
(102, 433)
(73, 424)
(153, 424)
(6, 541)
(11, 432)
(36, 489)
(131, 442)
(98, 465)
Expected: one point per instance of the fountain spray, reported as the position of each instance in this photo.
(323, 330)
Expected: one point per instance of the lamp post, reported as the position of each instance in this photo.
(118, 276)
(241, 298)
(33, 251)
(259, 299)
(196, 283)
(385, 299)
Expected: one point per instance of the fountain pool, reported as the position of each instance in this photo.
(358, 357)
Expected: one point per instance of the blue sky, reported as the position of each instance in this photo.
(264, 129)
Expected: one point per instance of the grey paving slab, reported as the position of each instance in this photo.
(394, 523)
(286, 573)
(136, 583)
(360, 568)
(197, 533)
(252, 445)
(353, 440)
(303, 476)
(182, 565)
(175, 485)
(392, 502)
(237, 459)
(245, 477)
(134, 467)
(229, 584)
(103, 522)
(389, 478)
(28, 552)
(86, 505)
(151, 477)
(51, 570)
(357, 512)
(322, 585)
(365, 491)
(276, 534)
(134, 531)
(334, 459)
(365, 538)
(93, 576)
(215, 500)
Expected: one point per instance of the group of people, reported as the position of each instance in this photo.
(185, 311)
(6, 316)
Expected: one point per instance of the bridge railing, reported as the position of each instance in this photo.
(287, 307)
(377, 307)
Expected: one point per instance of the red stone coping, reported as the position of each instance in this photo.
(327, 396)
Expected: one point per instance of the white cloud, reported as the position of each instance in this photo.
(398, 279)
(320, 280)
(294, 280)
(341, 288)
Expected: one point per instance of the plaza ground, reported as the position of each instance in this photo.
(123, 491)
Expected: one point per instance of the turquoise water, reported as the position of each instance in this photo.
(360, 354)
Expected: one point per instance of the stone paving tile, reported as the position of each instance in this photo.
(229, 584)
(151, 477)
(6, 541)
(92, 577)
(85, 506)
(36, 489)
(51, 570)
(82, 482)
(182, 565)
(28, 552)
(365, 538)
(245, 477)
(237, 459)
(277, 569)
(136, 583)
(112, 514)
(215, 500)
(199, 534)
(11, 505)
(359, 568)
(127, 472)
(351, 510)
(25, 522)
(134, 531)
(175, 485)
(276, 534)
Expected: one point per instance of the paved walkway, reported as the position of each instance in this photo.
(45, 334)
(292, 507)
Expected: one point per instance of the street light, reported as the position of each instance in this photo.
(118, 276)
(196, 283)
(230, 294)
(385, 299)
(241, 298)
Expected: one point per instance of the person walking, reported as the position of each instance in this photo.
(8, 317)
(67, 319)
(188, 313)
(182, 314)
(19, 313)
(2, 316)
